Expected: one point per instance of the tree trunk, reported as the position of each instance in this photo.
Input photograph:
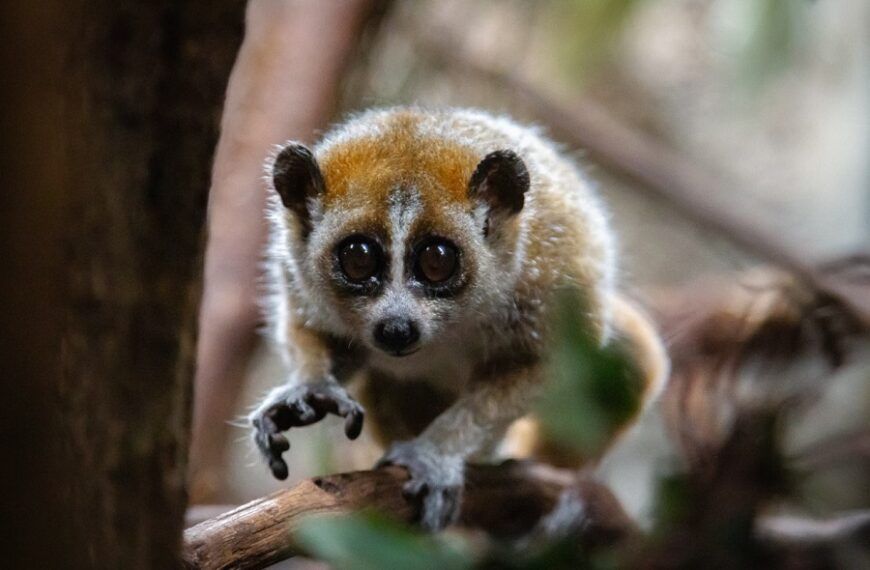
(142, 94)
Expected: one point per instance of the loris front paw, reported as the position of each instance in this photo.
(436, 481)
(298, 406)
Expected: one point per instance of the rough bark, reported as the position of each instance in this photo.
(32, 167)
(142, 95)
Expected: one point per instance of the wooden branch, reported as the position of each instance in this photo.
(843, 447)
(788, 531)
(693, 190)
(837, 542)
(720, 332)
(506, 500)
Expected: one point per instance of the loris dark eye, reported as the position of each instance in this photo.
(436, 262)
(360, 258)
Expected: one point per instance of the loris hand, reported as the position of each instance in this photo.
(436, 481)
(297, 406)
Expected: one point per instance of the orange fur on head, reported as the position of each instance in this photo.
(367, 169)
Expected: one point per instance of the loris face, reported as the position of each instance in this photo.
(401, 272)
(397, 248)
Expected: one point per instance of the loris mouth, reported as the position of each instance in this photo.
(404, 352)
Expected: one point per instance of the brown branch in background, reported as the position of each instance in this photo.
(284, 85)
(806, 543)
(765, 340)
(844, 447)
(695, 192)
(506, 500)
(747, 355)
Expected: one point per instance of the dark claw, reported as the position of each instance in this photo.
(354, 423)
(278, 443)
(279, 468)
(266, 429)
(415, 489)
(435, 484)
(302, 406)
(304, 414)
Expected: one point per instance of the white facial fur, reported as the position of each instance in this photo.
(439, 320)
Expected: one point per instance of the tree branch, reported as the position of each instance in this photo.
(506, 500)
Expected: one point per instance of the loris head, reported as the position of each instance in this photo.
(400, 238)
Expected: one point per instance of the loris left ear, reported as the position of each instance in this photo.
(501, 181)
(297, 178)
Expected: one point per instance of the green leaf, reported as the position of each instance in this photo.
(592, 390)
(366, 541)
(770, 37)
(584, 32)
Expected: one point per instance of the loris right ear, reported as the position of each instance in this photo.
(297, 179)
(500, 181)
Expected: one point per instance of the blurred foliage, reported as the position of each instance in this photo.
(768, 36)
(591, 390)
(716, 501)
(584, 31)
(368, 541)
(559, 554)
(765, 36)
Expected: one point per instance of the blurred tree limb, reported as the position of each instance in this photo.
(747, 357)
(696, 192)
(765, 339)
(284, 85)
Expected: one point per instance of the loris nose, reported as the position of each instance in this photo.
(396, 335)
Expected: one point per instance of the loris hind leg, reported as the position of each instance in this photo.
(633, 329)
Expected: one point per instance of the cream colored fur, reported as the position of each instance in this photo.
(560, 237)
